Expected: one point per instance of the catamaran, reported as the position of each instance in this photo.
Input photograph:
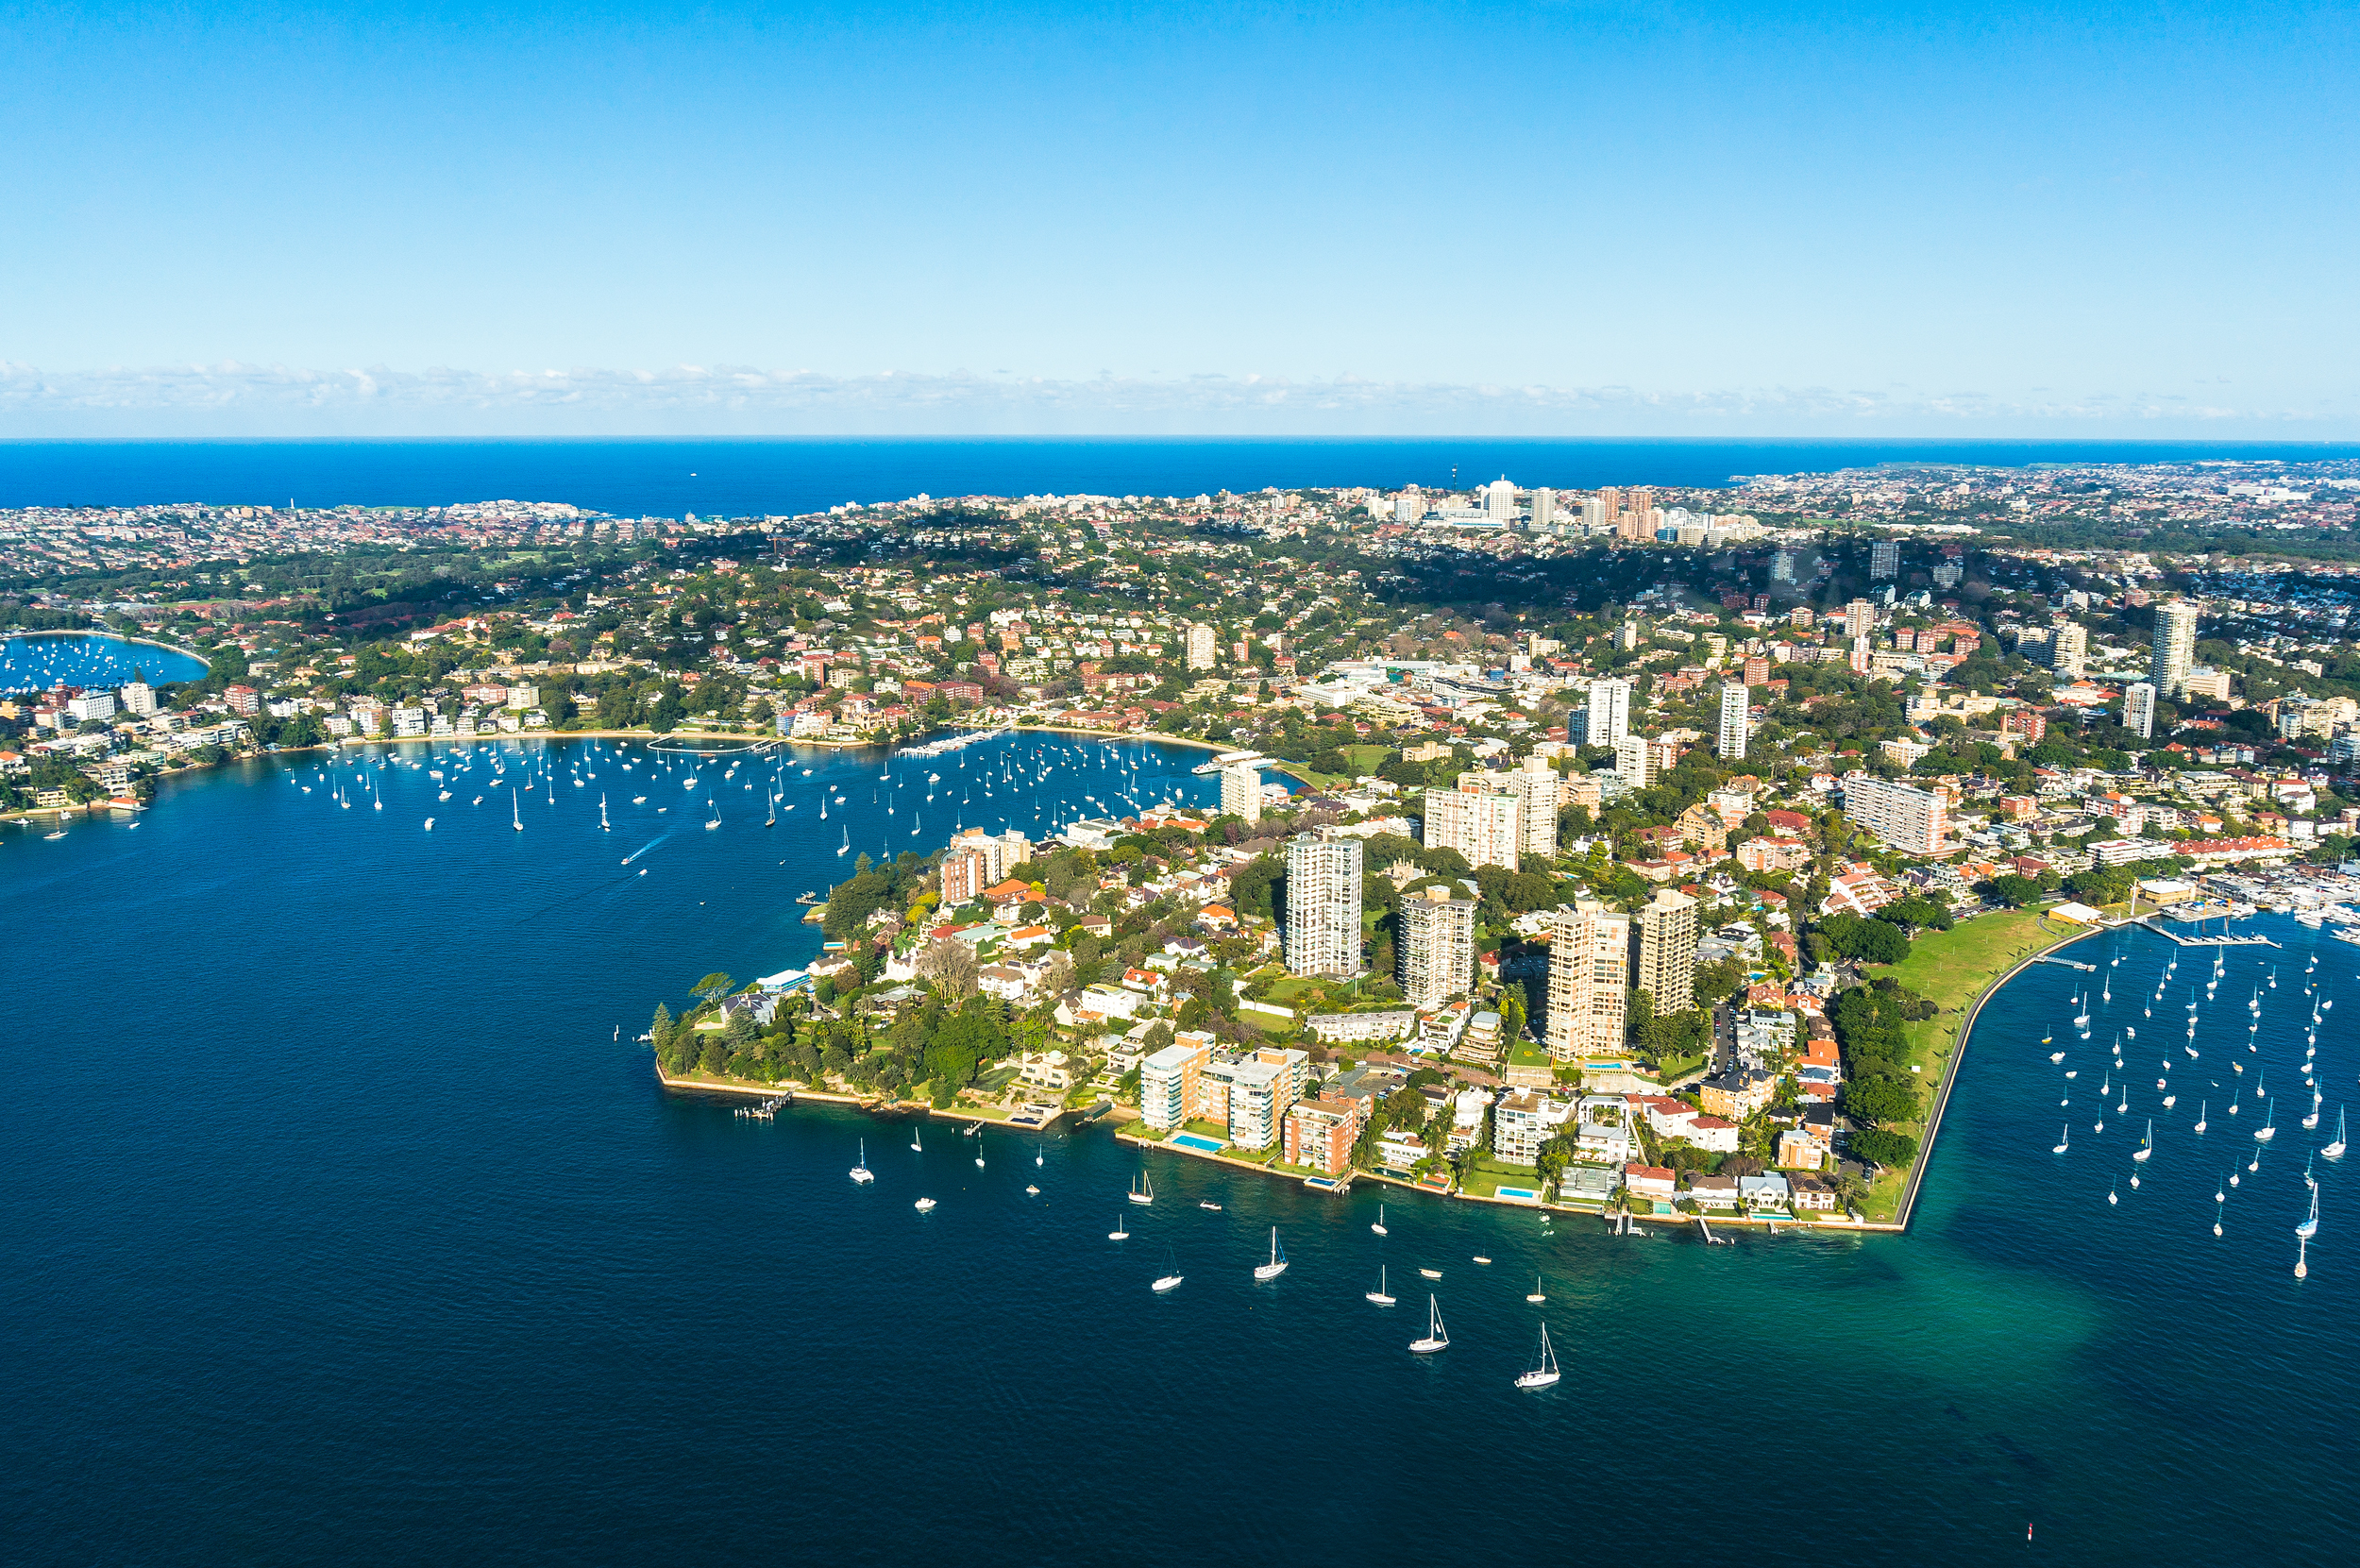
(861, 1172)
(1277, 1264)
(1437, 1337)
(1542, 1376)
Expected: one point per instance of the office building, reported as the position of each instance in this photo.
(1482, 827)
(2138, 709)
(2175, 648)
(1736, 719)
(1634, 761)
(1667, 951)
(1609, 713)
(1200, 645)
(2069, 649)
(1588, 961)
(1323, 906)
(1908, 818)
(1437, 954)
(1242, 792)
(1884, 560)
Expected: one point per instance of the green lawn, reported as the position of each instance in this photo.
(1483, 1177)
(1950, 969)
(1523, 1052)
(1366, 759)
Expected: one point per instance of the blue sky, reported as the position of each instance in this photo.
(1569, 219)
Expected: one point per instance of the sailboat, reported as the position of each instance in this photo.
(1170, 1278)
(979, 1149)
(1379, 1295)
(2064, 1140)
(715, 803)
(2302, 1258)
(1277, 1264)
(1543, 1374)
(861, 1172)
(2266, 1131)
(2110, 1196)
(2201, 1106)
(1536, 1295)
(1143, 1190)
(1117, 1233)
(1037, 1155)
(605, 826)
(2148, 1147)
(916, 1142)
(1380, 1225)
(1437, 1337)
(772, 820)
(845, 847)
(2310, 1226)
(2335, 1150)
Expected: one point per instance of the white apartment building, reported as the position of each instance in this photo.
(1437, 948)
(1323, 906)
(1168, 1085)
(1242, 792)
(1539, 790)
(1609, 712)
(1482, 827)
(1200, 645)
(1736, 718)
(2138, 709)
(2175, 646)
(1523, 1121)
(1589, 979)
(1912, 820)
(1634, 761)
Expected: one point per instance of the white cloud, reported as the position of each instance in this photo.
(242, 399)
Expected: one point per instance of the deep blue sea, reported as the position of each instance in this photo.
(339, 1226)
(773, 477)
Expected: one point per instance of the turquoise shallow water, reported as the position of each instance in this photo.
(339, 1227)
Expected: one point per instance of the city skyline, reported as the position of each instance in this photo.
(385, 220)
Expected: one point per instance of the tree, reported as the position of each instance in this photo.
(2014, 890)
(712, 985)
(1879, 1147)
(1880, 1100)
(660, 1032)
(950, 965)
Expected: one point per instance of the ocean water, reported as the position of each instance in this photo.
(339, 1228)
(40, 661)
(758, 476)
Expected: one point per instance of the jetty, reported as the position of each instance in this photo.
(2069, 964)
(2224, 940)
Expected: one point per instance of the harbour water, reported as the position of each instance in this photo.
(41, 660)
(755, 476)
(339, 1228)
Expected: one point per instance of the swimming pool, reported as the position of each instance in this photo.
(1197, 1142)
(1519, 1194)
